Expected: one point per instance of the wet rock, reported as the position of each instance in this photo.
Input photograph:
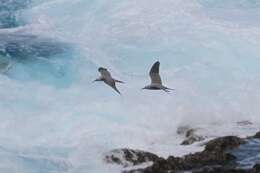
(224, 143)
(214, 155)
(129, 157)
(256, 168)
(191, 137)
(257, 135)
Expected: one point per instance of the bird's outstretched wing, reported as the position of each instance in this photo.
(154, 73)
(104, 72)
(115, 88)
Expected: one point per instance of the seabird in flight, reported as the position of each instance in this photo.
(107, 78)
(156, 82)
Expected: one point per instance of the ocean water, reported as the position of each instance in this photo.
(53, 119)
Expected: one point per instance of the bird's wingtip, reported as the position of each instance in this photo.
(119, 81)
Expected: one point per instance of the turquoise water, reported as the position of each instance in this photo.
(53, 119)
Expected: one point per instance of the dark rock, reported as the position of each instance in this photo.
(190, 135)
(257, 135)
(224, 143)
(256, 168)
(214, 155)
(190, 132)
(129, 157)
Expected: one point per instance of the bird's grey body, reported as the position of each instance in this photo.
(107, 78)
(156, 81)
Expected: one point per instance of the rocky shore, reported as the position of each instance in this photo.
(215, 158)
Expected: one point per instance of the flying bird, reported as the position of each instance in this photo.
(156, 81)
(107, 78)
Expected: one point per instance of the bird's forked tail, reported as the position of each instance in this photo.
(118, 81)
